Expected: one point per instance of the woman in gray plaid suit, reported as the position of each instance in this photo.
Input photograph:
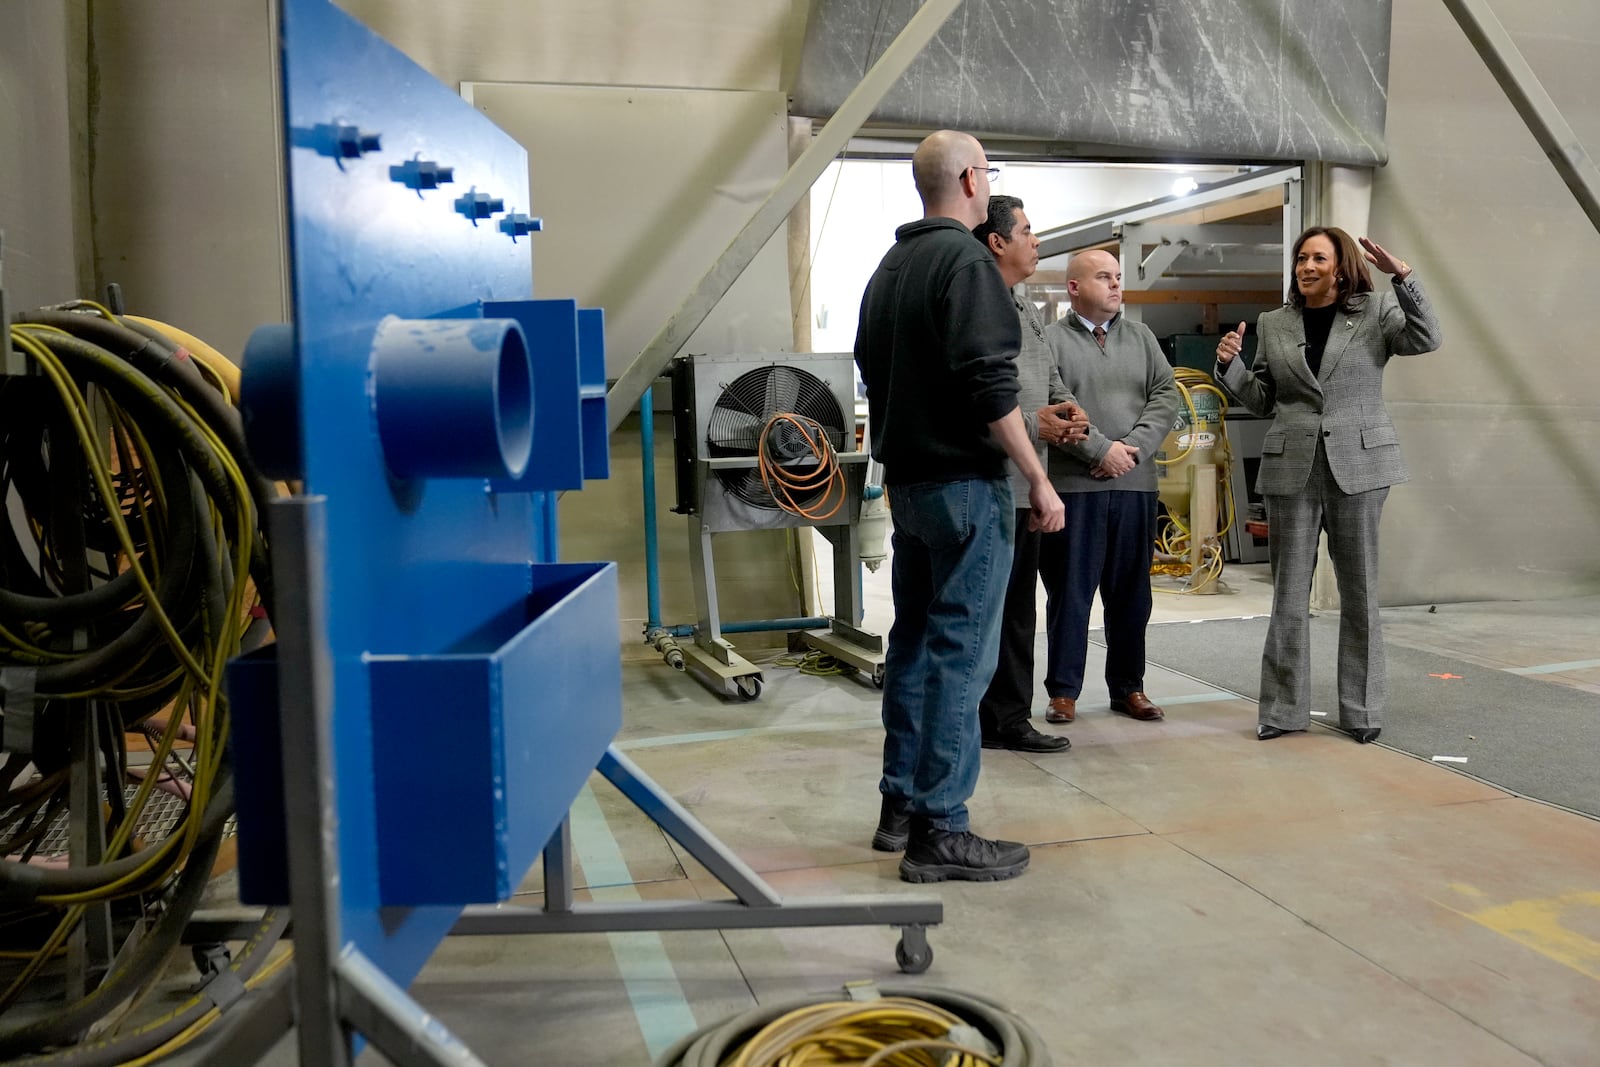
(1328, 461)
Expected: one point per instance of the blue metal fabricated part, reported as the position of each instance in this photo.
(420, 174)
(270, 400)
(460, 650)
(539, 656)
(453, 398)
(551, 327)
(592, 372)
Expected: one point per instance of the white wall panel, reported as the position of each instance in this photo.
(702, 44)
(640, 191)
(1502, 427)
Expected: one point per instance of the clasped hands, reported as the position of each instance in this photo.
(1062, 423)
(1119, 459)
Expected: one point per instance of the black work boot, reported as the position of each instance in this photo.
(935, 855)
(894, 825)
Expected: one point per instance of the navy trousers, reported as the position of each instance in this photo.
(1106, 544)
(1007, 705)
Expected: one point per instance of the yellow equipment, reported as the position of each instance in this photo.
(1194, 464)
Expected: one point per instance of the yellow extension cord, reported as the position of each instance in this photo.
(815, 662)
(889, 1032)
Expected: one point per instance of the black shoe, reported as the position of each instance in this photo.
(1365, 735)
(1267, 733)
(1028, 739)
(939, 855)
(894, 825)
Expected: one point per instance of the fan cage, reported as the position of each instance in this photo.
(742, 413)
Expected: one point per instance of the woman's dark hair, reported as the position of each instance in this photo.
(1351, 276)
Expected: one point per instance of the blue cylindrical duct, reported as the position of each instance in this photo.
(453, 397)
(269, 402)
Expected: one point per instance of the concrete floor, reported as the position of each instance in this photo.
(1195, 897)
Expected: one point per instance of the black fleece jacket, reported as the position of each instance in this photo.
(937, 346)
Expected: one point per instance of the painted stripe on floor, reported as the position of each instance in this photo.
(862, 724)
(1556, 668)
(658, 1002)
(1193, 622)
(728, 735)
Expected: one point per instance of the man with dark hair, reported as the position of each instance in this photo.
(1051, 416)
(937, 345)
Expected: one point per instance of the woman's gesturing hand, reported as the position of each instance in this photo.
(1382, 259)
(1232, 343)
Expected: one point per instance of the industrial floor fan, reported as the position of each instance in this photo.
(769, 442)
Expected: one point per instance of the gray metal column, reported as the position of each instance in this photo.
(1504, 60)
(397, 1025)
(305, 699)
(703, 575)
(830, 141)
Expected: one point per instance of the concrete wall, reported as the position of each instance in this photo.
(187, 175)
(687, 44)
(1501, 427)
(43, 165)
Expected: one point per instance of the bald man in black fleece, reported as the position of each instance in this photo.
(937, 345)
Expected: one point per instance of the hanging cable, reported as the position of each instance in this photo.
(799, 467)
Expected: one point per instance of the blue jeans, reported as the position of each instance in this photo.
(952, 557)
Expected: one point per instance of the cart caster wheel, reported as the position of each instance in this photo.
(913, 961)
(877, 679)
(749, 687)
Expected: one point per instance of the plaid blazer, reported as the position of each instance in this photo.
(1343, 404)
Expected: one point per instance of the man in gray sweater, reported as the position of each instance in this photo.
(1051, 416)
(1119, 374)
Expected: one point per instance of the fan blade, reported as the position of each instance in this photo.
(733, 428)
(783, 389)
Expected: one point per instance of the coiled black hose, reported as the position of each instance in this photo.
(169, 504)
(67, 1025)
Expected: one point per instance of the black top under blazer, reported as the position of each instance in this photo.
(1343, 404)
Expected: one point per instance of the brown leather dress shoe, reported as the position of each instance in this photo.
(1062, 709)
(1137, 706)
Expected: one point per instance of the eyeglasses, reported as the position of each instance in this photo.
(992, 172)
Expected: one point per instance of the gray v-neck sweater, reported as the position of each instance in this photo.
(1128, 391)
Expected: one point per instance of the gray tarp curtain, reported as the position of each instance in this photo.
(1246, 79)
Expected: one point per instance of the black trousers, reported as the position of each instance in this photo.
(1006, 706)
(1106, 544)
